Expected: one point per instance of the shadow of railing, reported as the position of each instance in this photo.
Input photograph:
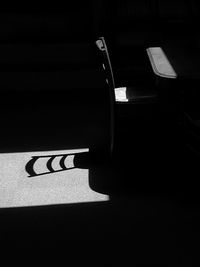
(80, 160)
(100, 171)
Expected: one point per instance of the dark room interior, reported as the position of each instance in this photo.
(100, 132)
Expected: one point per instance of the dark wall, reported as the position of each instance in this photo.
(88, 19)
(46, 25)
(147, 21)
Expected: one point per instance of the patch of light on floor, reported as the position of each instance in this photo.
(120, 94)
(17, 189)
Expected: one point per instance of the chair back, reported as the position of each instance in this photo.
(107, 66)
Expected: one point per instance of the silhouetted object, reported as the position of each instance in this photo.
(101, 44)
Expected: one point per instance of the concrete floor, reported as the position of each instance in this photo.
(111, 212)
(17, 189)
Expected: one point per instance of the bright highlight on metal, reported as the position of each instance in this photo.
(160, 63)
(120, 94)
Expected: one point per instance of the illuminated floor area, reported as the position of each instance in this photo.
(49, 186)
(128, 226)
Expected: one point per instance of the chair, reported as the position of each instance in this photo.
(126, 95)
(107, 67)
